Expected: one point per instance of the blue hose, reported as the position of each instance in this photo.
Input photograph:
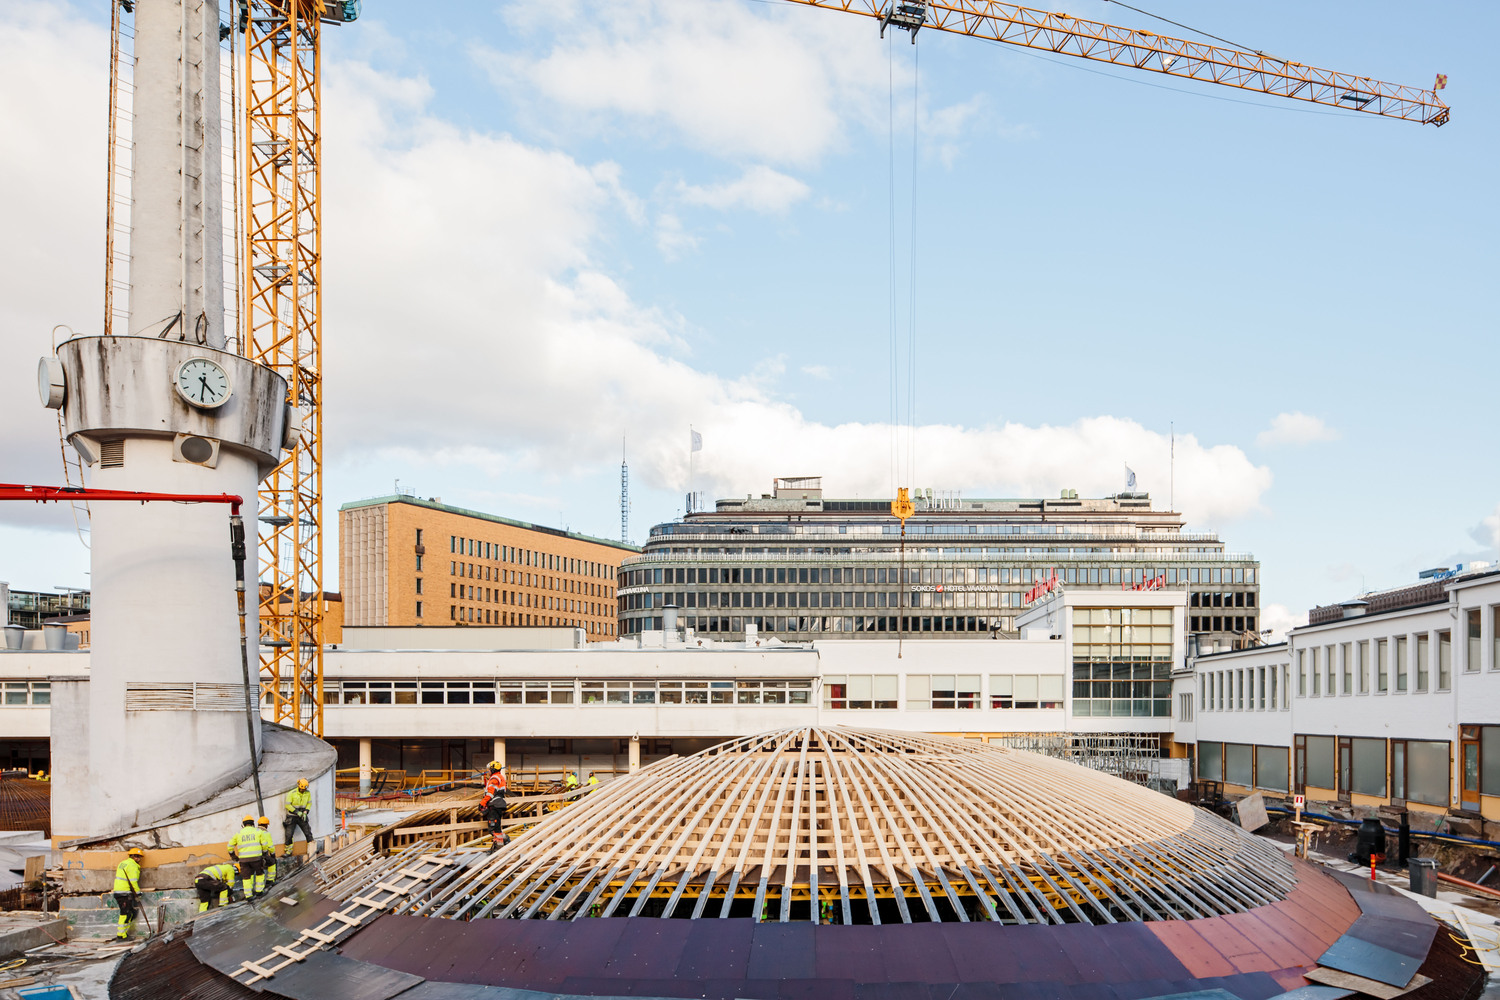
(1452, 837)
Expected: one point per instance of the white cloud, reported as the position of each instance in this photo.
(494, 332)
(1487, 531)
(817, 371)
(1295, 429)
(54, 82)
(671, 238)
(1280, 619)
(758, 189)
(771, 83)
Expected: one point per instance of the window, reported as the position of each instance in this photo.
(1319, 762)
(1419, 771)
(27, 693)
(1471, 652)
(1445, 661)
(1382, 677)
(1489, 760)
(1122, 663)
(1368, 764)
(942, 691)
(1328, 668)
(457, 692)
(619, 692)
(1422, 661)
(1026, 691)
(1400, 663)
(419, 609)
(1237, 764)
(1260, 688)
(1362, 666)
(1347, 666)
(860, 691)
(1270, 768)
(535, 692)
(1301, 673)
(1211, 761)
(1185, 707)
(1317, 675)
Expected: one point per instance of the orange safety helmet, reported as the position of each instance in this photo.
(264, 821)
(248, 820)
(301, 784)
(135, 852)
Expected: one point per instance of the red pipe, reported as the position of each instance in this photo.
(1471, 886)
(56, 494)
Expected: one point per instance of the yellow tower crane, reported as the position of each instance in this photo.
(281, 308)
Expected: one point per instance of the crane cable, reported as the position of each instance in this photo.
(902, 421)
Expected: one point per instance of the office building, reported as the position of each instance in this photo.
(796, 564)
(29, 608)
(404, 561)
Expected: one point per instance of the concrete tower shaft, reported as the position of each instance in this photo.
(177, 218)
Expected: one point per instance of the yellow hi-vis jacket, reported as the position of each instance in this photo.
(266, 843)
(246, 843)
(220, 873)
(298, 801)
(128, 876)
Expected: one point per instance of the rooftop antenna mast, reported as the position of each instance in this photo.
(624, 496)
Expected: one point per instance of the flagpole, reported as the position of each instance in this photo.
(1172, 466)
(690, 470)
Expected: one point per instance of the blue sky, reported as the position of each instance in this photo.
(553, 224)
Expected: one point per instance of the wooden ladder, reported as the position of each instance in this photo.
(375, 900)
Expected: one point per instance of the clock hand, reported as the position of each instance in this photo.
(206, 390)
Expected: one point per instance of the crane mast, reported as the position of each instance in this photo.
(282, 313)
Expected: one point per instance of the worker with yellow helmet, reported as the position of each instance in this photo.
(268, 848)
(215, 882)
(298, 807)
(245, 847)
(128, 890)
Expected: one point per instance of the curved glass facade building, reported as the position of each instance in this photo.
(797, 565)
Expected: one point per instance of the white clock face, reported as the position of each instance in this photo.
(203, 383)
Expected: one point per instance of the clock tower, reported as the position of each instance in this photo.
(151, 748)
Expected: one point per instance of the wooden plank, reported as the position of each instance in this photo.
(1349, 981)
(399, 890)
(320, 938)
(260, 972)
(345, 918)
(295, 956)
(374, 904)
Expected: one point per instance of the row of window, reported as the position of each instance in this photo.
(882, 575)
(1408, 770)
(519, 578)
(569, 692)
(820, 599)
(488, 616)
(851, 691)
(26, 693)
(1244, 689)
(1217, 599)
(1221, 623)
(892, 624)
(1402, 663)
(493, 596)
(525, 557)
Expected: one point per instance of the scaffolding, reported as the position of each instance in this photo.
(1132, 756)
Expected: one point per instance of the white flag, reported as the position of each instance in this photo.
(1129, 479)
(697, 440)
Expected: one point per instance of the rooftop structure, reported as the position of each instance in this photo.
(879, 825)
(797, 563)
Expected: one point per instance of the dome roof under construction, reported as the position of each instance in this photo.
(878, 827)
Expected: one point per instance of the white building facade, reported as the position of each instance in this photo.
(1372, 708)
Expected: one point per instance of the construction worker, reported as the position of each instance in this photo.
(593, 781)
(268, 849)
(570, 780)
(825, 911)
(492, 803)
(298, 806)
(215, 883)
(246, 850)
(128, 890)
